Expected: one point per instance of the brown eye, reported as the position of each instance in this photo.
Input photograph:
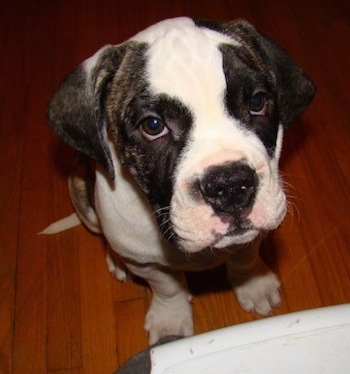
(153, 128)
(258, 104)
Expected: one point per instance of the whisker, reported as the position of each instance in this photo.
(291, 198)
(292, 208)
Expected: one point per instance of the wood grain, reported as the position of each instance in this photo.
(60, 309)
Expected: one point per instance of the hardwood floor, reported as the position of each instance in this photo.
(60, 310)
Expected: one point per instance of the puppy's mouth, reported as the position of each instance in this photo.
(238, 230)
(239, 234)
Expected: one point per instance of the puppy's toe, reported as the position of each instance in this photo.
(259, 294)
(116, 268)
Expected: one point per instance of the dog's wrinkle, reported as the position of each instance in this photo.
(182, 235)
(179, 236)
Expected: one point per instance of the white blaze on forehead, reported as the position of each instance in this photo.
(184, 61)
(159, 29)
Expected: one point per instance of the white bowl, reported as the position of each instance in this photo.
(312, 341)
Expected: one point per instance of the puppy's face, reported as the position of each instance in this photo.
(197, 112)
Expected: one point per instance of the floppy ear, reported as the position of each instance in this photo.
(76, 111)
(294, 89)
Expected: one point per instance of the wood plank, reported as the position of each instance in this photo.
(10, 170)
(130, 336)
(97, 307)
(131, 289)
(68, 371)
(11, 116)
(64, 346)
(29, 348)
(214, 310)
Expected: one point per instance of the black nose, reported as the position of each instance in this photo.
(230, 187)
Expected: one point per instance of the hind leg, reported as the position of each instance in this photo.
(81, 185)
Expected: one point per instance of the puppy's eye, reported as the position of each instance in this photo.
(258, 104)
(153, 128)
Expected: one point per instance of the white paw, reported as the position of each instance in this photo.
(259, 294)
(166, 318)
(116, 268)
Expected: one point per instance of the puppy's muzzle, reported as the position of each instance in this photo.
(229, 188)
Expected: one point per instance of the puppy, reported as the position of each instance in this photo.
(179, 131)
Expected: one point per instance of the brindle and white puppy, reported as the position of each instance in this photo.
(183, 125)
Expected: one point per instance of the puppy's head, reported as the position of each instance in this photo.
(197, 112)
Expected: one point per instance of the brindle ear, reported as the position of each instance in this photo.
(294, 89)
(76, 111)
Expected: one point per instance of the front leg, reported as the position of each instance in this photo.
(170, 312)
(255, 285)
